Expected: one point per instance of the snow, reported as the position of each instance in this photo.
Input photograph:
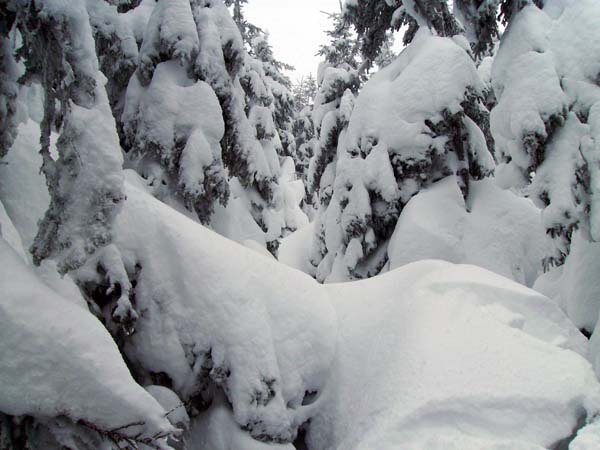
(588, 438)
(58, 360)
(174, 109)
(172, 404)
(22, 191)
(216, 429)
(235, 221)
(500, 231)
(197, 294)
(11, 235)
(441, 356)
(294, 250)
(420, 89)
(575, 286)
(170, 31)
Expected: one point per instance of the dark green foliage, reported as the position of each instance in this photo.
(479, 17)
(373, 19)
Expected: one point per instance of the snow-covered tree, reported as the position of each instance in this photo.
(546, 121)
(172, 120)
(373, 20)
(281, 89)
(117, 50)
(386, 53)
(338, 81)
(400, 137)
(220, 63)
(304, 91)
(85, 180)
(304, 132)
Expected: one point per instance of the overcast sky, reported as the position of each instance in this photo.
(296, 27)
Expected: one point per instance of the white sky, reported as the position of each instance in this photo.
(296, 28)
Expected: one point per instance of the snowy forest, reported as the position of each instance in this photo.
(398, 251)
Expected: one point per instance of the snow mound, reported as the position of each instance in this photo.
(216, 429)
(295, 248)
(439, 356)
(502, 232)
(58, 360)
(210, 309)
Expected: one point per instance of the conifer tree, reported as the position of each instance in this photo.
(85, 182)
(173, 125)
(376, 172)
(338, 82)
(546, 120)
(304, 92)
(117, 50)
(280, 86)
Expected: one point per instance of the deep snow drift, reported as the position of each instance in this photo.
(439, 356)
(56, 359)
(497, 230)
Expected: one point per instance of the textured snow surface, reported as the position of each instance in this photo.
(501, 232)
(56, 359)
(436, 356)
(216, 429)
(588, 438)
(295, 248)
(269, 332)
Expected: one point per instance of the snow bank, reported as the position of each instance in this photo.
(210, 309)
(440, 356)
(501, 232)
(58, 360)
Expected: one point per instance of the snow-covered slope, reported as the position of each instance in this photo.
(501, 232)
(210, 309)
(431, 355)
(56, 359)
(436, 356)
